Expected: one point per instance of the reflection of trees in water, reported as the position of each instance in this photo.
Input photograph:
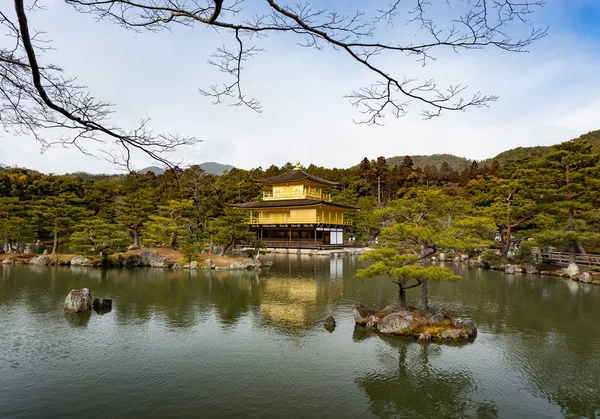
(416, 383)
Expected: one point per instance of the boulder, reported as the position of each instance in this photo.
(133, 261)
(464, 257)
(425, 336)
(361, 313)
(329, 323)
(194, 264)
(237, 266)
(531, 269)
(78, 301)
(252, 264)
(467, 325)
(266, 263)
(518, 269)
(453, 334)
(27, 250)
(7, 262)
(434, 259)
(396, 322)
(372, 321)
(572, 270)
(209, 264)
(509, 269)
(176, 265)
(442, 257)
(437, 317)
(45, 252)
(79, 261)
(456, 258)
(40, 261)
(100, 304)
(585, 277)
(152, 258)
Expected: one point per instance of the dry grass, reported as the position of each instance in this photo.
(171, 255)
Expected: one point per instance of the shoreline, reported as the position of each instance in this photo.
(152, 257)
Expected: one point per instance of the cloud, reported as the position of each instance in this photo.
(546, 96)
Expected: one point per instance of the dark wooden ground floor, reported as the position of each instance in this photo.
(300, 236)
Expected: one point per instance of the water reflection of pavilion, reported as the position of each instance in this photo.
(297, 301)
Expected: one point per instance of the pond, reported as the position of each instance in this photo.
(248, 344)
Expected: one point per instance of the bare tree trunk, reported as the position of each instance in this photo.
(55, 244)
(136, 239)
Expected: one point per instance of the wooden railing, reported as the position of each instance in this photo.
(298, 220)
(267, 196)
(564, 258)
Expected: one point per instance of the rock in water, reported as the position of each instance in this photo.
(509, 269)
(152, 258)
(40, 261)
(101, 304)
(396, 322)
(78, 301)
(572, 270)
(329, 323)
(454, 334)
(442, 257)
(79, 261)
(467, 325)
(193, 264)
(361, 313)
(132, 261)
(585, 277)
(7, 262)
(425, 336)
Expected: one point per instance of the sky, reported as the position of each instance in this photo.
(547, 95)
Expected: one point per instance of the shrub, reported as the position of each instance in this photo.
(490, 257)
(525, 252)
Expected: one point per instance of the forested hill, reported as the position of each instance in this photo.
(212, 168)
(458, 163)
(519, 153)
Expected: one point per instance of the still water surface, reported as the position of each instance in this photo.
(246, 344)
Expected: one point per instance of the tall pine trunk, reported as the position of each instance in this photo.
(424, 295)
(55, 244)
(211, 249)
(573, 245)
(402, 296)
(136, 239)
(174, 240)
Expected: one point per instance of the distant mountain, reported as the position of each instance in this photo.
(519, 153)
(154, 169)
(209, 167)
(457, 163)
(215, 168)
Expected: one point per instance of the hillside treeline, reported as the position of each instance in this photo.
(552, 197)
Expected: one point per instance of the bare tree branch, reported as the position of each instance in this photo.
(34, 98)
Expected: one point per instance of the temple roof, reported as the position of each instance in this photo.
(291, 203)
(294, 176)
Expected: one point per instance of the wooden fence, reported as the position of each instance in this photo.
(563, 258)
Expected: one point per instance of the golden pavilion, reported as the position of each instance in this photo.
(297, 212)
